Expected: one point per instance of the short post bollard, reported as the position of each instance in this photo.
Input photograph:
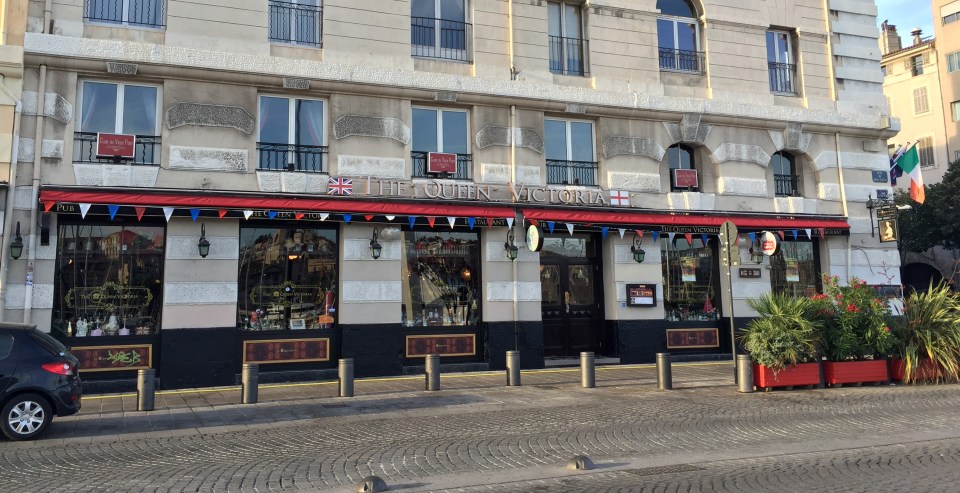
(250, 380)
(513, 368)
(346, 377)
(664, 373)
(744, 373)
(588, 373)
(146, 386)
(433, 372)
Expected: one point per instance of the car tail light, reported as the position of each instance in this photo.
(58, 368)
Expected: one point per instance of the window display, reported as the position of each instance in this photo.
(108, 279)
(690, 279)
(793, 269)
(441, 279)
(288, 279)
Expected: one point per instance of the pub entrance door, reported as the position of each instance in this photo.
(571, 295)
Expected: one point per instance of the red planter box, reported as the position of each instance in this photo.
(928, 370)
(855, 371)
(791, 376)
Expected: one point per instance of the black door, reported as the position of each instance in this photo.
(571, 295)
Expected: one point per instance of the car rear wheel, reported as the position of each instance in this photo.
(25, 416)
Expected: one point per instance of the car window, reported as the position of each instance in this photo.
(50, 344)
(6, 345)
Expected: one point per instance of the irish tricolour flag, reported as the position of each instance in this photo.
(909, 162)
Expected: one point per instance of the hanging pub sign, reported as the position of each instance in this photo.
(685, 178)
(441, 162)
(115, 145)
(888, 230)
(768, 243)
(534, 238)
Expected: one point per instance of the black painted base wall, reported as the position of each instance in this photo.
(198, 357)
(376, 349)
(641, 340)
(500, 338)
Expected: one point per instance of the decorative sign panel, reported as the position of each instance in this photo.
(114, 358)
(685, 178)
(115, 145)
(888, 230)
(444, 345)
(693, 338)
(750, 273)
(441, 162)
(641, 295)
(286, 351)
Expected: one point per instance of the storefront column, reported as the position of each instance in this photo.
(635, 333)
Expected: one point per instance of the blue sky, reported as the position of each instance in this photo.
(906, 15)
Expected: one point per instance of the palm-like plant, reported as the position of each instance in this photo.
(783, 334)
(930, 330)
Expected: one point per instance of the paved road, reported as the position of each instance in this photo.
(474, 436)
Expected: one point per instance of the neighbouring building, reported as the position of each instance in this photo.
(13, 15)
(290, 183)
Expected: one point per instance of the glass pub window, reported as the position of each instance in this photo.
(440, 273)
(690, 279)
(793, 269)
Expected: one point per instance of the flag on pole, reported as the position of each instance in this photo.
(909, 162)
(895, 171)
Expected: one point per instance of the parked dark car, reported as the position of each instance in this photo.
(38, 379)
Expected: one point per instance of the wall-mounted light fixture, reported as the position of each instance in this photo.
(510, 247)
(756, 256)
(203, 246)
(375, 247)
(638, 254)
(16, 246)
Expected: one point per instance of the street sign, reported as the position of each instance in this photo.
(729, 251)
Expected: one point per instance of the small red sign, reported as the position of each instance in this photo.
(115, 145)
(441, 162)
(768, 243)
(685, 178)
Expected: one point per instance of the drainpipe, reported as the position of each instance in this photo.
(843, 201)
(8, 215)
(35, 197)
(513, 70)
(47, 17)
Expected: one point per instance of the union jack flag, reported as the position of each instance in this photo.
(340, 186)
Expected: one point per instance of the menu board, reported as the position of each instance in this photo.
(641, 295)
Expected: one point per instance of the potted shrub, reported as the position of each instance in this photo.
(782, 341)
(928, 337)
(855, 330)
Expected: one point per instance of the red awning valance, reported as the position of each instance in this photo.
(691, 220)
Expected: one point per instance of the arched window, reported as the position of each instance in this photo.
(678, 36)
(683, 168)
(785, 176)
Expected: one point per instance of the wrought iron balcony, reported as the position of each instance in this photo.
(147, 13)
(295, 23)
(571, 172)
(146, 149)
(568, 55)
(682, 60)
(464, 167)
(441, 38)
(292, 157)
(786, 185)
(782, 77)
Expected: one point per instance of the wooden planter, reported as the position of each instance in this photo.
(928, 370)
(792, 376)
(840, 372)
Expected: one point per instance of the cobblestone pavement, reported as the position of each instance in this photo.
(477, 435)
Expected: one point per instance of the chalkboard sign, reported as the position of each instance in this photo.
(641, 295)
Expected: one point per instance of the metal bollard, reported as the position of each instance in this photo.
(433, 372)
(513, 368)
(664, 373)
(250, 380)
(346, 377)
(744, 373)
(146, 385)
(588, 371)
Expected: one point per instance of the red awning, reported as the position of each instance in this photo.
(647, 218)
(227, 201)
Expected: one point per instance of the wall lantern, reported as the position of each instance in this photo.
(756, 256)
(203, 246)
(638, 253)
(16, 246)
(510, 247)
(375, 247)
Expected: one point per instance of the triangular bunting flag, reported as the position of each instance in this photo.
(509, 222)
(822, 232)
(471, 221)
(639, 233)
(221, 213)
(431, 220)
(298, 215)
(167, 212)
(670, 237)
(48, 205)
(247, 214)
(689, 237)
(621, 231)
(271, 214)
(391, 218)
(368, 217)
(603, 232)
(452, 221)
(704, 238)
(412, 220)
(808, 231)
(140, 211)
(83, 210)
(324, 216)
(739, 239)
(195, 213)
(551, 225)
(656, 236)
(570, 228)
(780, 234)
(113, 211)
(794, 234)
(753, 237)
(347, 217)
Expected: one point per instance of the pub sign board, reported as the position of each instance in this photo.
(685, 178)
(441, 162)
(641, 295)
(116, 145)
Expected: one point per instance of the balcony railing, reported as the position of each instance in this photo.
(292, 157)
(441, 38)
(568, 55)
(681, 60)
(782, 77)
(295, 23)
(571, 172)
(786, 185)
(464, 167)
(148, 13)
(146, 149)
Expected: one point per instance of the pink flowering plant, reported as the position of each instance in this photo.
(853, 321)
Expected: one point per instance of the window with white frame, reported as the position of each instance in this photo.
(571, 158)
(145, 13)
(780, 63)
(439, 29)
(292, 134)
(678, 36)
(925, 151)
(117, 108)
(955, 111)
(565, 35)
(296, 21)
(441, 131)
(953, 61)
(920, 102)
